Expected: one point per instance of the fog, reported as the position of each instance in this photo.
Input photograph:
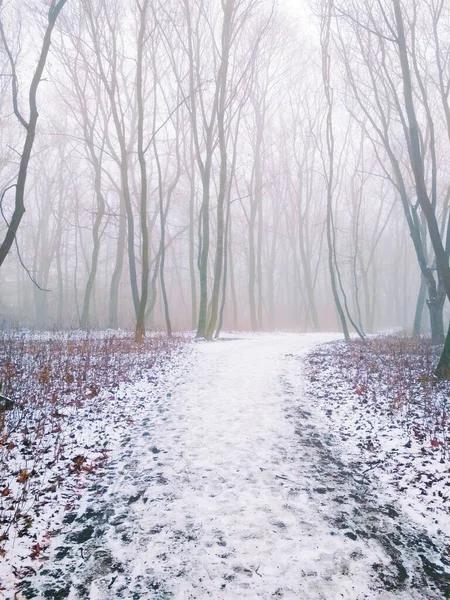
(235, 164)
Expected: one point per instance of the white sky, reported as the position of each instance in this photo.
(298, 6)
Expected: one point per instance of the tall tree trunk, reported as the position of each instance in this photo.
(203, 268)
(225, 270)
(252, 266)
(228, 6)
(113, 318)
(192, 276)
(420, 304)
(162, 246)
(96, 243)
(325, 43)
(140, 320)
(232, 279)
(436, 309)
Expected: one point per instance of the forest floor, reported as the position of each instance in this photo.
(257, 466)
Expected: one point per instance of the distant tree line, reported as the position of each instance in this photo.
(190, 164)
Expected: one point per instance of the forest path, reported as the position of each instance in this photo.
(227, 488)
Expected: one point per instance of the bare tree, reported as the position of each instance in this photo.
(28, 123)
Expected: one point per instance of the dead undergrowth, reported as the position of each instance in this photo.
(381, 398)
(52, 386)
(394, 373)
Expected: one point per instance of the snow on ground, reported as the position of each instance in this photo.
(225, 483)
(403, 445)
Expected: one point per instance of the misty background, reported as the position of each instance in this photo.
(207, 164)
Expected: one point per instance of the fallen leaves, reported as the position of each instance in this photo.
(23, 476)
(93, 391)
(36, 550)
(77, 463)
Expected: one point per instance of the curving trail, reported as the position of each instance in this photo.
(227, 487)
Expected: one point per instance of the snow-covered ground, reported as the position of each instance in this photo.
(224, 483)
(396, 429)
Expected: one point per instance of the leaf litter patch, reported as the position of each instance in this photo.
(70, 408)
(381, 411)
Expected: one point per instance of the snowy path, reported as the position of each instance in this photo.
(226, 489)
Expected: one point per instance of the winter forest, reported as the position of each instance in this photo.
(248, 165)
(192, 194)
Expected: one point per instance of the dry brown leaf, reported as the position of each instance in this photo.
(23, 476)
